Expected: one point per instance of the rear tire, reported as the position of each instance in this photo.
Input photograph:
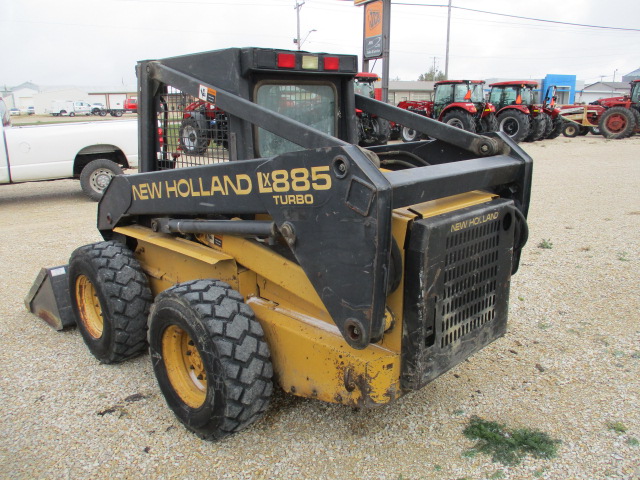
(557, 124)
(193, 139)
(210, 358)
(515, 124)
(110, 298)
(617, 122)
(460, 119)
(96, 177)
(488, 123)
(382, 131)
(538, 125)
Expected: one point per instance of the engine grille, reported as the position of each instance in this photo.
(457, 272)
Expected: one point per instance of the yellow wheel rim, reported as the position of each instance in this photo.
(184, 366)
(89, 307)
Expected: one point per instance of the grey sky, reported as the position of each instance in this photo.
(98, 42)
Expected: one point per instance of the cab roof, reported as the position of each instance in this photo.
(528, 83)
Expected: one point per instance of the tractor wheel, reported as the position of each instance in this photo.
(409, 135)
(536, 132)
(583, 131)
(110, 298)
(515, 124)
(557, 124)
(548, 125)
(210, 357)
(488, 123)
(617, 122)
(636, 114)
(193, 139)
(571, 130)
(460, 119)
(381, 131)
(96, 176)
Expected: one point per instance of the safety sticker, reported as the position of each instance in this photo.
(207, 94)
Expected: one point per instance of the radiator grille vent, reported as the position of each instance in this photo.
(470, 281)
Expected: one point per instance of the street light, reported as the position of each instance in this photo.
(301, 42)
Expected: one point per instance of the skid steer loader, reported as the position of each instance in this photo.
(287, 253)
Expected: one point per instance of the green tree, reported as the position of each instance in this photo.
(433, 75)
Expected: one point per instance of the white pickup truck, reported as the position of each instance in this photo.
(94, 152)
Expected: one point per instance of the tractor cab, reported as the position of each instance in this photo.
(635, 92)
(461, 103)
(364, 84)
(504, 94)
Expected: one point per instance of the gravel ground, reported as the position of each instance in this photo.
(569, 364)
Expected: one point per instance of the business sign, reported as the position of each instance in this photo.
(373, 30)
(362, 2)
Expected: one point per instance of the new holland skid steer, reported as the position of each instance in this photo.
(280, 251)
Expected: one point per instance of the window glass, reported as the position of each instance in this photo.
(314, 105)
(443, 93)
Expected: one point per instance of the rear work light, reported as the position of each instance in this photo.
(309, 62)
(331, 63)
(286, 60)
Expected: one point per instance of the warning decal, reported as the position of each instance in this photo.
(207, 94)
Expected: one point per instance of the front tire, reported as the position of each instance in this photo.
(460, 119)
(193, 139)
(210, 358)
(96, 177)
(409, 135)
(110, 298)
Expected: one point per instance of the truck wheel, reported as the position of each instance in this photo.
(102, 113)
(110, 298)
(210, 357)
(515, 124)
(617, 122)
(72, 114)
(460, 119)
(192, 139)
(409, 135)
(488, 123)
(96, 176)
(117, 113)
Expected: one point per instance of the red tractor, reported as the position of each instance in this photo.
(202, 123)
(621, 117)
(518, 115)
(459, 103)
(372, 130)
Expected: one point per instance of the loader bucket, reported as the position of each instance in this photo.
(49, 298)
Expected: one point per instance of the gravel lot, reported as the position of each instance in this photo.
(569, 365)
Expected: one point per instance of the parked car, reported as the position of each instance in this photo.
(15, 111)
(27, 111)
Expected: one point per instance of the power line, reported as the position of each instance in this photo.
(517, 16)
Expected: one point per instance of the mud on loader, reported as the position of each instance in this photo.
(343, 274)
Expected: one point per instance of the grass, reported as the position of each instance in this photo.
(623, 257)
(633, 442)
(617, 427)
(509, 446)
(546, 244)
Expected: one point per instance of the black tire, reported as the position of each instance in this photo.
(594, 131)
(409, 135)
(538, 126)
(548, 125)
(381, 130)
(117, 113)
(636, 115)
(193, 139)
(96, 176)
(110, 298)
(582, 131)
(102, 113)
(210, 358)
(557, 124)
(570, 129)
(460, 119)
(488, 123)
(617, 122)
(514, 123)
(72, 114)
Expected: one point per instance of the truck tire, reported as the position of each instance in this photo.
(72, 114)
(460, 119)
(193, 139)
(210, 357)
(515, 124)
(617, 122)
(117, 113)
(96, 176)
(110, 298)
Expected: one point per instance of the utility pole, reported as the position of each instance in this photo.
(446, 61)
(297, 8)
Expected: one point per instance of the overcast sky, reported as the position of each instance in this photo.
(98, 42)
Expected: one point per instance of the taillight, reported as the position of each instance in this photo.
(286, 60)
(160, 136)
(331, 63)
